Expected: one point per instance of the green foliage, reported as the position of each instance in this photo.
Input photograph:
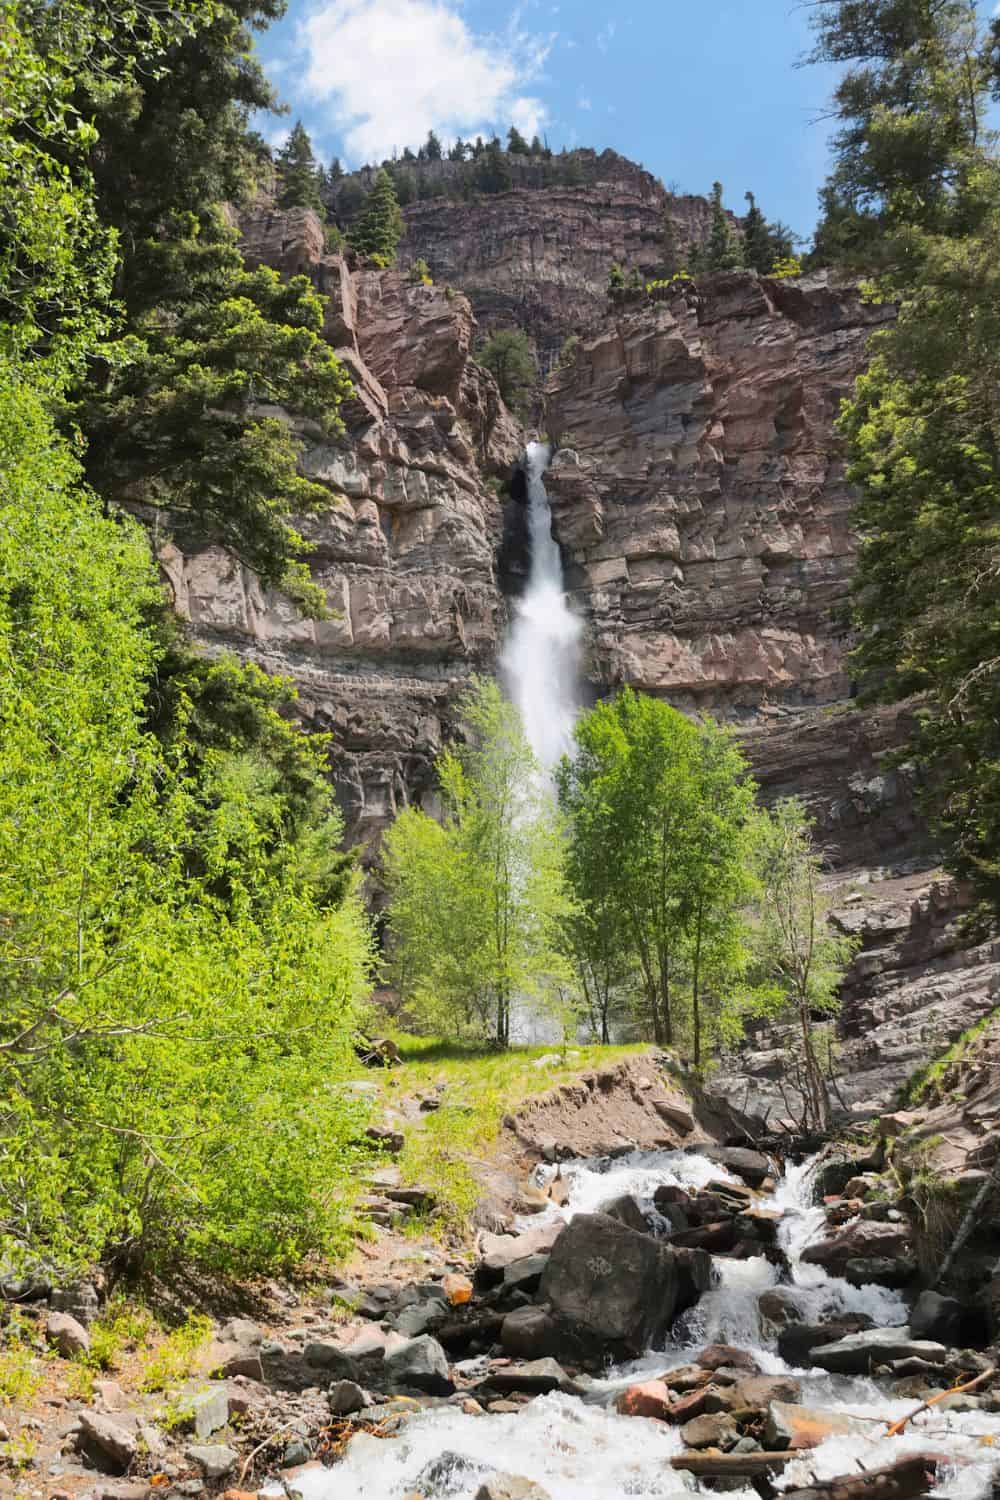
(420, 273)
(299, 172)
(21, 1376)
(915, 193)
(616, 279)
(474, 901)
(176, 421)
(509, 357)
(516, 144)
(492, 174)
(766, 246)
(723, 250)
(432, 147)
(167, 1059)
(568, 352)
(787, 267)
(177, 1356)
(800, 957)
(670, 251)
(659, 812)
(378, 228)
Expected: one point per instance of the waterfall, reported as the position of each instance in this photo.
(541, 659)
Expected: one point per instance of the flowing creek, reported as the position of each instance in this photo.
(581, 1449)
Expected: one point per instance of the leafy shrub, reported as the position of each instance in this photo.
(420, 273)
(789, 265)
(177, 1356)
(508, 355)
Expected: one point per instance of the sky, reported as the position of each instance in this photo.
(695, 90)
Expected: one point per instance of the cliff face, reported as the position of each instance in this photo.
(699, 491)
(406, 552)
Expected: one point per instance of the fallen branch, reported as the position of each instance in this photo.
(271, 1438)
(897, 1427)
(905, 1480)
(967, 1225)
(736, 1465)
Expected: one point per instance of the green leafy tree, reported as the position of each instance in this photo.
(475, 901)
(723, 250)
(166, 1057)
(509, 357)
(378, 229)
(801, 958)
(298, 172)
(667, 805)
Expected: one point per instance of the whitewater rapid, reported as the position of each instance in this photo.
(540, 661)
(580, 1449)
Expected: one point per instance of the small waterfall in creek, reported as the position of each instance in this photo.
(541, 658)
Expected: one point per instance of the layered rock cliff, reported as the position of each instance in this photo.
(406, 553)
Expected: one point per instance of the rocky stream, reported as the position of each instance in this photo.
(664, 1309)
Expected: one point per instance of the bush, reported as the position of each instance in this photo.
(509, 357)
(172, 1029)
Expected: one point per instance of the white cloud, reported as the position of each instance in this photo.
(392, 70)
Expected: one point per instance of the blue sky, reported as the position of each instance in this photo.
(694, 91)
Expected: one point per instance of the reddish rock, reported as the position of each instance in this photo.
(651, 1399)
(864, 1239)
(725, 1356)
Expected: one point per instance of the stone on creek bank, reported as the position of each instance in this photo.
(797, 1340)
(107, 1440)
(511, 1487)
(752, 1167)
(420, 1364)
(803, 1427)
(539, 1376)
(627, 1211)
(861, 1353)
(864, 1239)
(529, 1333)
(610, 1289)
(938, 1318)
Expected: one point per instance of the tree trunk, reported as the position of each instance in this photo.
(818, 1095)
(696, 993)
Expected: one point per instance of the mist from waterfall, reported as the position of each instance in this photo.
(542, 657)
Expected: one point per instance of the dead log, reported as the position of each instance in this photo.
(897, 1427)
(904, 1480)
(731, 1465)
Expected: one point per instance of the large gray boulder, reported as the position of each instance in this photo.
(859, 1353)
(610, 1290)
(937, 1317)
(529, 1333)
(419, 1364)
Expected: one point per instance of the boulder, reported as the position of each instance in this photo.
(228, 1360)
(687, 1378)
(241, 1331)
(937, 1317)
(206, 1410)
(685, 1408)
(67, 1336)
(759, 1391)
(345, 1398)
(651, 1399)
(695, 1275)
(511, 1487)
(610, 1289)
(457, 1288)
(803, 1427)
(720, 1237)
(797, 1339)
(777, 1309)
(213, 1459)
(420, 1364)
(725, 1356)
(528, 1333)
(751, 1166)
(538, 1376)
(525, 1274)
(859, 1353)
(360, 1358)
(501, 1250)
(112, 1440)
(627, 1211)
(880, 1270)
(863, 1239)
(421, 1317)
(717, 1430)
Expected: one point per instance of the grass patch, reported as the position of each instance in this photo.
(481, 1085)
(177, 1357)
(20, 1376)
(927, 1079)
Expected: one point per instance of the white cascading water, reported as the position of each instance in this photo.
(582, 1450)
(541, 658)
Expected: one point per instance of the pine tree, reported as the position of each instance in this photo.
(298, 171)
(723, 250)
(335, 172)
(757, 249)
(458, 150)
(432, 148)
(516, 144)
(378, 228)
(537, 149)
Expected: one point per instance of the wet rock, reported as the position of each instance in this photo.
(759, 1223)
(751, 1166)
(687, 1378)
(797, 1340)
(937, 1317)
(213, 1459)
(448, 1474)
(778, 1308)
(693, 1404)
(861, 1240)
(802, 1427)
(528, 1333)
(719, 1356)
(610, 1289)
(695, 1275)
(717, 1430)
(860, 1353)
(420, 1363)
(66, 1335)
(651, 1399)
(538, 1376)
(836, 1172)
(719, 1237)
(345, 1398)
(880, 1270)
(111, 1439)
(627, 1211)
(761, 1390)
(511, 1487)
